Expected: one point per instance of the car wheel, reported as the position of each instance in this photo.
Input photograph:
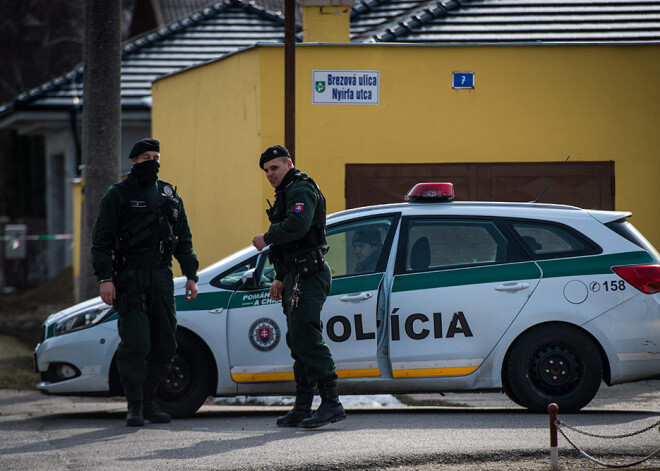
(188, 385)
(553, 363)
(506, 387)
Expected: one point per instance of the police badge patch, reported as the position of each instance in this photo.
(264, 334)
(298, 207)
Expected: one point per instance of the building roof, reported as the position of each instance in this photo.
(229, 25)
(174, 10)
(373, 15)
(527, 21)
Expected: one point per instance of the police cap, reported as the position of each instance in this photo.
(273, 152)
(144, 145)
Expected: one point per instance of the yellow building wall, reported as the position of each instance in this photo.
(530, 103)
(209, 123)
(77, 186)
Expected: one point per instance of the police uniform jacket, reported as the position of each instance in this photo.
(301, 197)
(113, 205)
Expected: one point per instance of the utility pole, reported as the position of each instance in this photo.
(290, 77)
(101, 122)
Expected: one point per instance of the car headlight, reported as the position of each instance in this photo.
(81, 319)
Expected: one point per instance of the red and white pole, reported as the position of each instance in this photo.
(554, 454)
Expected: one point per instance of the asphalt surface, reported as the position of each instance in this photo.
(472, 431)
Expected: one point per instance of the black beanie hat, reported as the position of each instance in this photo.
(273, 152)
(369, 236)
(144, 145)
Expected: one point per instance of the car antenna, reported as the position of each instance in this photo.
(491, 188)
(537, 200)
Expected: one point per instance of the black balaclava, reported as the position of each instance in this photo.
(146, 172)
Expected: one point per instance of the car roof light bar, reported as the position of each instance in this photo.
(431, 192)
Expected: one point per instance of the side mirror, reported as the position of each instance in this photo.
(247, 280)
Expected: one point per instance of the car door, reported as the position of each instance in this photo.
(256, 327)
(458, 285)
(358, 253)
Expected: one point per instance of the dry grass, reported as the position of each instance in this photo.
(21, 316)
(16, 370)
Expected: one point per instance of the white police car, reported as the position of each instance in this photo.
(540, 300)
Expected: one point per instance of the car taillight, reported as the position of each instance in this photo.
(645, 278)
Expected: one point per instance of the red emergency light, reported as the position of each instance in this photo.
(431, 192)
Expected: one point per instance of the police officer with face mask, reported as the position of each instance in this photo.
(141, 224)
(302, 282)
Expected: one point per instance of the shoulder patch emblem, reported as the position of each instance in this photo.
(298, 208)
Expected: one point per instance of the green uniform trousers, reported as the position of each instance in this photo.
(147, 329)
(312, 358)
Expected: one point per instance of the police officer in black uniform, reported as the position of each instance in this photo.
(141, 224)
(302, 282)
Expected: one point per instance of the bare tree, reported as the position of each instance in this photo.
(101, 121)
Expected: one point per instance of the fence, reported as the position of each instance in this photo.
(27, 259)
(557, 425)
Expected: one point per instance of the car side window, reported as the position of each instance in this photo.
(548, 240)
(359, 247)
(435, 244)
(231, 279)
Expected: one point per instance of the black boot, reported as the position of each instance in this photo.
(153, 413)
(330, 409)
(301, 410)
(134, 417)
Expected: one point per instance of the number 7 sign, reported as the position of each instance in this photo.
(463, 80)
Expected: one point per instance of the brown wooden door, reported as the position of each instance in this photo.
(589, 185)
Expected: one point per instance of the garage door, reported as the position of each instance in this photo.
(584, 184)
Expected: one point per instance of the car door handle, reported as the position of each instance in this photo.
(355, 297)
(516, 286)
(217, 311)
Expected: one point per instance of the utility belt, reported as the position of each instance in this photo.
(145, 264)
(306, 264)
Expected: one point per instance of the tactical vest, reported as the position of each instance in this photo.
(146, 233)
(316, 235)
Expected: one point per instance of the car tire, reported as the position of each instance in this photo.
(553, 363)
(506, 387)
(188, 385)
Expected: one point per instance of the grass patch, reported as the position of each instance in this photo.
(16, 369)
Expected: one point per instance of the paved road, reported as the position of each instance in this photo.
(484, 432)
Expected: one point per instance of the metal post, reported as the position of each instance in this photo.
(553, 409)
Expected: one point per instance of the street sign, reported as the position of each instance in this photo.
(346, 87)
